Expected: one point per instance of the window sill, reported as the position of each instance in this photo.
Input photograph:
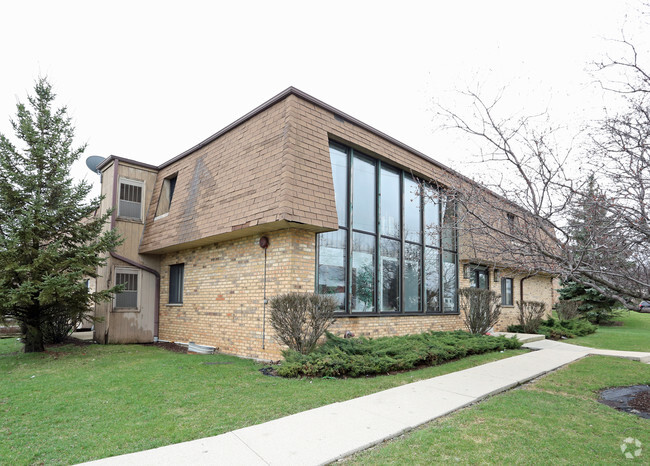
(509, 306)
(174, 305)
(126, 309)
(160, 216)
(130, 220)
(395, 314)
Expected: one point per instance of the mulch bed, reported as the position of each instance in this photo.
(634, 399)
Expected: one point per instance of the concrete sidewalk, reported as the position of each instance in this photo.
(325, 434)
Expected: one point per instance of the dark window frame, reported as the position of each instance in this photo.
(176, 295)
(423, 244)
(504, 296)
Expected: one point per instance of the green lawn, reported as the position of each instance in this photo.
(555, 420)
(634, 335)
(78, 403)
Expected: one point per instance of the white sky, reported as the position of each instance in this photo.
(148, 80)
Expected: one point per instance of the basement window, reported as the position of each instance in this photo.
(130, 205)
(166, 195)
(128, 297)
(176, 276)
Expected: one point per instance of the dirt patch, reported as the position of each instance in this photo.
(170, 346)
(634, 399)
(69, 341)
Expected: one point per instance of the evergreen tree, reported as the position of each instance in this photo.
(590, 228)
(51, 240)
(595, 307)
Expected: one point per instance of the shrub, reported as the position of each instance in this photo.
(300, 319)
(481, 308)
(555, 329)
(355, 357)
(568, 310)
(531, 314)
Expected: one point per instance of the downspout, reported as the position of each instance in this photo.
(156, 316)
(521, 287)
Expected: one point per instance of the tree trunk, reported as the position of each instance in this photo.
(32, 336)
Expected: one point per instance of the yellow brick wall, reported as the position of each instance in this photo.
(536, 288)
(223, 292)
(224, 295)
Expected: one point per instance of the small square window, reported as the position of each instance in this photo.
(176, 276)
(130, 205)
(128, 297)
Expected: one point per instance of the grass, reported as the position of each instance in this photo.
(555, 420)
(78, 403)
(634, 335)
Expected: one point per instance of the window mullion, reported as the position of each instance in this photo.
(348, 266)
(377, 232)
(423, 307)
(441, 292)
(402, 247)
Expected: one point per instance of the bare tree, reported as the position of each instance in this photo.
(529, 218)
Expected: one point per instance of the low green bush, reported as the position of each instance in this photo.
(355, 357)
(555, 329)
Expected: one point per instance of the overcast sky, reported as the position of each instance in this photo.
(148, 80)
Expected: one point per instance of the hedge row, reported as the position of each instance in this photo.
(355, 357)
(555, 329)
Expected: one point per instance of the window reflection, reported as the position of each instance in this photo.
(406, 265)
(412, 218)
(339, 161)
(390, 203)
(412, 277)
(363, 272)
(331, 265)
(449, 282)
(363, 199)
(389, 275)
(432, 279)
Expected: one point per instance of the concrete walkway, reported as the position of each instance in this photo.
(325, 434)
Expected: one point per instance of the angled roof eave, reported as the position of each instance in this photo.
(319, 103)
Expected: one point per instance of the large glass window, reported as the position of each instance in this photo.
(431, 221)
(339, 161)
(432, 279)
(390, 202)
(388, 255)
(363, 272)
(331, 265)
(412, 217)
(449, 282)
(364, 197)
(412, 277)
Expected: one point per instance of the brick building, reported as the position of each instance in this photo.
(338, 204)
